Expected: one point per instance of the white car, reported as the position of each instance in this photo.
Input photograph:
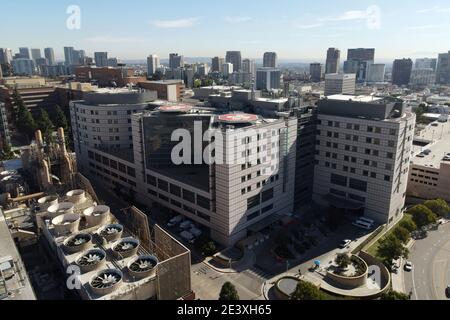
(408, 266)
(344, 243)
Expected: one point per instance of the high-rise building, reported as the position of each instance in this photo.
(101, 59)
(35, 54)
(358, 62)
(333, 61)
(24, 53)
(226, 199)
(249, 66)
(113, 62)
(337, 83)
(152, 64)
(363, 155)
(268, 79)
(23, 67)
(235, 58)
(401, 71)
(176, 61)
(227, 69)
(426, 63)
(423, 77)
(49, 54)
(376, 73)
(443, 69)
(5, 55)
(217, 63)
(270, 60)
(69, 55)
(316, 71)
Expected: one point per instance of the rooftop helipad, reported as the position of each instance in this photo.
(238, 118)
(179, 108)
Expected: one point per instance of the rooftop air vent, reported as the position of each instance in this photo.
(96, 215)
(60, 209)
(125, 248)
(76, 196)
(78, 242)
(111, 232)
(91, 260)
(66, 223)
(46, 202)
(106, 281)
(142, 266)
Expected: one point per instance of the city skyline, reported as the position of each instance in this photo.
(303, 35)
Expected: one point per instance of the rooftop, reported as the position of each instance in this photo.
(344, 97)
(437, 149)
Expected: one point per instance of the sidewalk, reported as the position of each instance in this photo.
(247, 261)
(398, 280)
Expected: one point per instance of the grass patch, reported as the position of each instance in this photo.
(373, 250)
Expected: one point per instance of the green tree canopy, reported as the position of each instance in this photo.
(24, 119)
(343, 260)
(307, 291)
(394, 295)
(60, 119)
(422, 216)
(409, 225)
(404, 235)
(438, 206)
(7, 153)
(391, 248)
(44, 124)
(228, 292)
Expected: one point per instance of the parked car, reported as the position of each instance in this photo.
(344, 243)
(186, 225)
(408, 266)
(447, 291)
(196, 232)
(187, 236)
(174, 221)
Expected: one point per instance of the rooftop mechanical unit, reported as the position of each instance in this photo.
(125, 248)
(96, 215)
(46, 202)
(77, 243)
(90, 260)
(106, 281)
(76, 196)
(66, 223)
(60, 209)
(111, 232)
(142, 266)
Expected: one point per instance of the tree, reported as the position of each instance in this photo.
(209, 248)
(7, 153)
(45, 125)
(394, 295)
(402, 234)
(24, 119)
(343, 261)
(228, 292)
(438, 206)
(422, 216)
(391, 248)
(409, 225)
(307, 291)
(60, 119)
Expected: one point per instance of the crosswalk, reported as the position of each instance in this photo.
(258, 273)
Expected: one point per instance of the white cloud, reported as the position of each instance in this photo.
(425, 27)
(237, 19)
(110, 39)
(308, 26)
(179, 23)
(435, 9)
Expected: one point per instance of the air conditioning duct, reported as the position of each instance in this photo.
(77, 243)
(46, 202)
(111, 232)
(96, 215)
(125, 248)
(76, 196)
(143, 266)
(60, 209)
(66, 223)
(106, 281)
(90, 260)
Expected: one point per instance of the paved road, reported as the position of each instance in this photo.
(431, 260)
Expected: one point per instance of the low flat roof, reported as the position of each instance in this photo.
(439, 148)
(346, 97)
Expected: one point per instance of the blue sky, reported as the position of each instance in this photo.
(296, 29)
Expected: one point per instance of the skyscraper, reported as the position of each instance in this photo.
(268, 79)
(176, 61)
(376, 72)
(336, 83)
(68, 55)
(216, 64)
(426, 63)
(50, 56)
(101, 59)
(5, 55)
(35, 54)
(358, 61)
(152, 64)
(24, 53)
(227, 69)
(234, 57)
(401, 71)
(270, 60)
(316, 71)
(443, 69)
(333, 61)
(248, 66)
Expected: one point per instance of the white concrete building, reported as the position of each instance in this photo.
(226, 199)
(153, 64)
(422, 77)
(363, 152)
(336, 83)
(227, 69)
(376, 73)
